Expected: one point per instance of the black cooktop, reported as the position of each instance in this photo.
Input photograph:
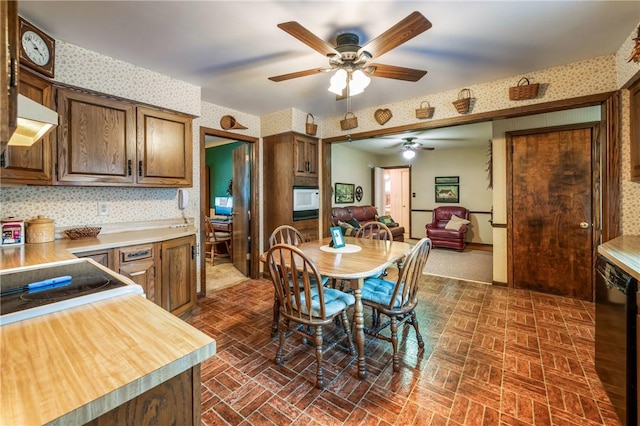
(86, 278)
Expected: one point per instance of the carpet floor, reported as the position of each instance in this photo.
(468, 265)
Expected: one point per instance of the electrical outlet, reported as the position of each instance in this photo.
(103, 208)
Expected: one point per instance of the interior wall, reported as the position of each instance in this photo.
(220, 162)
(350, 165)
(469, 164)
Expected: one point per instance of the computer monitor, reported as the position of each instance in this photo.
(223, 206)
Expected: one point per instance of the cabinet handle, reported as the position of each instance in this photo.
(128, 167)
(140, 168)
(138, 254)
(13, 78)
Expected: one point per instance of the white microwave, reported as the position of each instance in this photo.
(306, 202)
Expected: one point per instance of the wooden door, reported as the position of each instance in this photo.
(178, 275)
(551, 212)
(164, 148)
(240, 192)
(8, 67)
(96, 140)
(30, 164)
(399, 196)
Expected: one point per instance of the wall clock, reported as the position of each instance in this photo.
(358, 193)
(37, 49)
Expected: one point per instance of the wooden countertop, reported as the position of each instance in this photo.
(624, 252)
(74, 365)
(35, 254)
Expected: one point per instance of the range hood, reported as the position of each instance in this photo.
(34, 121)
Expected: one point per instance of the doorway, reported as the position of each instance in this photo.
(552, 184)
(245, 211)
(395, 193)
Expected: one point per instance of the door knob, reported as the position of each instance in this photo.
(584, 225)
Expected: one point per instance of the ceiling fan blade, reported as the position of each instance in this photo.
(425, 148)
(401, 32)
(308, 38)
(398, 73)
(297, 74)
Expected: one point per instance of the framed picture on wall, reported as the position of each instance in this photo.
(447, 180)
(447, 193)
(344, 193)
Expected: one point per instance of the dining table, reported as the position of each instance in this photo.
(360, 258)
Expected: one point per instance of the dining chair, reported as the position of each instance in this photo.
(306, 302)
(217, 244)
(397, 300)
(374, 230)
(284, 234)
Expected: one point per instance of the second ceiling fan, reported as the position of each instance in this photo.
(349, 56)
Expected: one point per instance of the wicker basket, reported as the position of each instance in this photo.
(524, 90)
(463, 102)
(86, 232)
(310, 127)
(350, 121)
(424, 111)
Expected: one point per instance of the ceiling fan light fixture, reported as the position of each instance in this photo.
(338, 82)
(359, 80)
(408, 154)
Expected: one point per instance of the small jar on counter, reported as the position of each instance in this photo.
(40, 230)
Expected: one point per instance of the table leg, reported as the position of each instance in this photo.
(358, 317)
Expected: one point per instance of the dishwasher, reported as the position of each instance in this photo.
(615, 339)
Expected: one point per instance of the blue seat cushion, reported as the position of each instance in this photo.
(334, 301)
(380, 291)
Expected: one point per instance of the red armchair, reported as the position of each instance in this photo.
(437, 230)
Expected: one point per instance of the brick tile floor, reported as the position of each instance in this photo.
(492, 356)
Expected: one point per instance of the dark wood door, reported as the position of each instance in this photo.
(240, 192)
(551, 212)
(178, 276)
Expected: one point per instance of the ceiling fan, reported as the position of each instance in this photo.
(349, 56)
(410, 144)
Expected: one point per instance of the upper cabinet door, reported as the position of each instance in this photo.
(96, 140)
(30, 164)
(164, 148)
(305, 154)
(8, 69)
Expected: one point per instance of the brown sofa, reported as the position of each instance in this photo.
(363, 214)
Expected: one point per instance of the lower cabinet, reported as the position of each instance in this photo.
(166, 270)
(178, 276)
(308, 228)
(139, 264)
(174, 402)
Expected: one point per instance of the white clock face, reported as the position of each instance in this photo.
(35, 48)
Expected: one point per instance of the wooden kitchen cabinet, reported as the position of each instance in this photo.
(96, 140)
(103, 257)
(305, 154)
(634, 107)
(290, 159)
(308, 229)
(178, 274)
(139, 264)
(164, 148)
(103, 141)
(9, 69)
(30, 164)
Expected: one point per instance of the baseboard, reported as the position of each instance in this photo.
(499, 284)
(480, 246)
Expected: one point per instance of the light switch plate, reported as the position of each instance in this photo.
(103, 208)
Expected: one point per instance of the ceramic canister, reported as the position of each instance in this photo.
(40, 230)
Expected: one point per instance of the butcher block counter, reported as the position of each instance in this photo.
(120, 360)
(623, 252)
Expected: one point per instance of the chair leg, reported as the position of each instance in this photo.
(276, 316)
(347, 329)
(319, 376)
(394, 343)
(282, 331)
(414, 322)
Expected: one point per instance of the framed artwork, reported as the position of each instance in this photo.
(447, 193)
(337, 240)
(448, 180)
(344, 193)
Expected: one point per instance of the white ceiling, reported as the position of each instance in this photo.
(230, 48)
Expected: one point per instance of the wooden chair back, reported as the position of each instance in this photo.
(374, 231)
(285, 234)
(406, 289)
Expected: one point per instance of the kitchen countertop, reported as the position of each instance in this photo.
(63, 249)
(623, 252)
(112, 353)
(71, 366)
